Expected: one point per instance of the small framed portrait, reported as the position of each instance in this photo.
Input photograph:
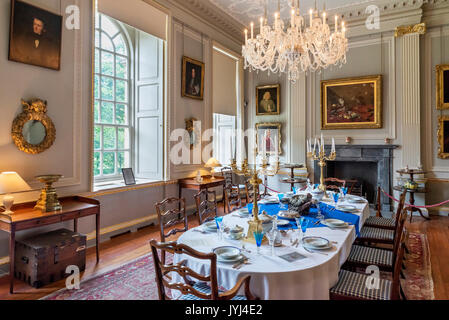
(352, 103)
(128, 176)
(268, 101)
(442, 73)
(443, 137)
(192, 78)
(35, 36)
(269, 138)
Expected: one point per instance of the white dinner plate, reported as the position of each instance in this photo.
(227, 253)
(283, 223)
(344, 225)
(210, 226)
(236, 259)
(316, 243)
(335, 222)
(346, 208)
(235, 236)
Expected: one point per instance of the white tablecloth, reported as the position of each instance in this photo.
(273, 278)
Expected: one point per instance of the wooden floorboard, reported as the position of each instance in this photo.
(127, 247)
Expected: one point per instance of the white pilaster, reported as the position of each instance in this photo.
(298, 134)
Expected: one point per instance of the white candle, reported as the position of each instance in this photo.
(336, 23)
(333, 144)
(246, 37)
(311, 17)
(276, 20)
(314, 146)
(264, 145)
(343, 28)
(322, 143)
(252, 30)
(261, 25)
(293, 18)
(324, 17)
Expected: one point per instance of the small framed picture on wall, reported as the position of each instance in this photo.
(192, 78)
(442, 73)
(35, 36)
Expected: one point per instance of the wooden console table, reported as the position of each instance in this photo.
(25, 218)
(208, 183)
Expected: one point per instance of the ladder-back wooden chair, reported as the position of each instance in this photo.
(353, 285)
(195, 286)
(233, 200)
(379, 221)
(362, 256)
(233, 194)
(171, 212)
(206, 205)
(334, 184)
(381, 235)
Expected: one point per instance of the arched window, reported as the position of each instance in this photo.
(112, 105)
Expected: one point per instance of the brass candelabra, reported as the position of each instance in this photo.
(322, 162)
(253, 173)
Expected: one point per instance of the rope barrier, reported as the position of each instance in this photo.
(413, 206)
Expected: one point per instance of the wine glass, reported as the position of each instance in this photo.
(258, 235)
(304, 226)
(320, 215)
(344, 191)
(271, 236)
(219, 222)
(336, 196)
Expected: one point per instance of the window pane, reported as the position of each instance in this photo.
(107, 112)
(107, 88)
(97, 138)
(107, 63)
(120, 45)
(108, 163)
(106, 42)
(123, 138)
(97, 20)
(109, 138)
(121, 114)
(97, 61)
(96, 111)
(121, 67)
(97, 39)
(122, 161)
(108, 26)
(97, 163)
(121, 90)
(97, 87)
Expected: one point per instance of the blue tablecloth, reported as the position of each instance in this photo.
(328, 211)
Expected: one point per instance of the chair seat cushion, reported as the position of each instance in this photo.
(205, 289)
(377, 234)
(354, 285)
(370, 256)
(380, 222)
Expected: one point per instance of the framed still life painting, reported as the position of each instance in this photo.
(35, 36)
(192, 78)
(268, 100)
(442, 87)
(352, 103)
(269, 135)
(443, 137)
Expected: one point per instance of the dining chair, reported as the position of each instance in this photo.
(233, 200)
(379, 221)
(195, 286)
(354, 286)
(229, 182)
(206, 205)
(334, 184)
(375, 235)
(354, 187)
(249, 191)
(170, 213)
(362, 256)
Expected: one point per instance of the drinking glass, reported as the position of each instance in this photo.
(344, 191)
(320, 215)
(272, 239)
(304, 226)
(336, 196)
(259, 237)
(219, 222)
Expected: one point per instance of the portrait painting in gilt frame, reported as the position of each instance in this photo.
(272, 133)
(443, 137)
(352, 103)
(192, 78)
(268, 100)
(442, 72)
(35, 36)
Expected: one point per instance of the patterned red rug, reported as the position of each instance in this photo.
(136, 280)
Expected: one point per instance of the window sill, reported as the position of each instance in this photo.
(118, 185)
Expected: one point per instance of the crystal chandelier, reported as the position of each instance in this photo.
(297, 48)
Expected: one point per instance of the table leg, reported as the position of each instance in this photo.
(75, 225)
(12, 256)
(97, 239)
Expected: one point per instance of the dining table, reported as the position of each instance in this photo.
(308, 277)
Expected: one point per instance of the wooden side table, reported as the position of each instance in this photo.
(412, 192)
(25, 217)
(292, 180)
(208, 183)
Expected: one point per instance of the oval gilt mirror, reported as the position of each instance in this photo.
(33, 131)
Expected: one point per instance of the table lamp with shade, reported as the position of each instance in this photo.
(212, 163)
(11, 182)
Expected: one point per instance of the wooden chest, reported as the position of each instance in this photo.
(43, 259)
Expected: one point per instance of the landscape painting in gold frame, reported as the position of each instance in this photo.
(351, 103)
(442, 72)
(443, 137)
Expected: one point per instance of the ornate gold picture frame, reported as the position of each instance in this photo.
(268, 100)
(351, 103)
(274, 135)
(192, 78)
(442, 74)
(443, 137)
(33, 131)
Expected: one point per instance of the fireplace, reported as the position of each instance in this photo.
(371, 165)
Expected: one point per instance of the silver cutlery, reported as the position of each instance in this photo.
(200, 231)
(313, 251)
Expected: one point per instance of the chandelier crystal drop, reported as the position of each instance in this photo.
(302, 46)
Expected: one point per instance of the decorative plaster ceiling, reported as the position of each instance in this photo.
(245, 11)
